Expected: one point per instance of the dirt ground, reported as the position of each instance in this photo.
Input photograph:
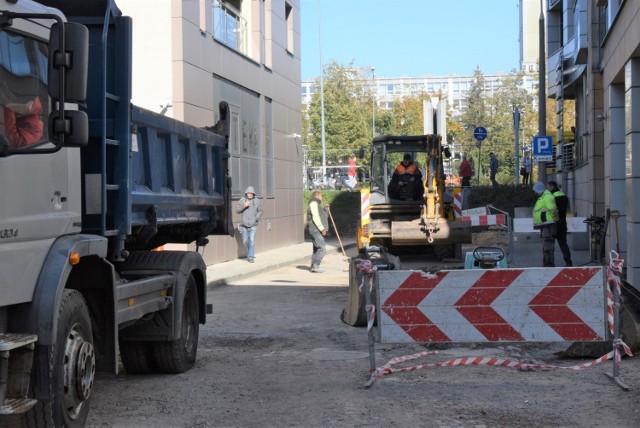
(275, 354)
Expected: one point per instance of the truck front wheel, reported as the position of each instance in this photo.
(178, 356)
(68, 367)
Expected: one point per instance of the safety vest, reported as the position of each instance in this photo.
(545, 211)
(411, 169)
(315, 215)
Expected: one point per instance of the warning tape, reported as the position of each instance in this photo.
(614, 270)
(613, 277)
(368, 269)
(475, 361)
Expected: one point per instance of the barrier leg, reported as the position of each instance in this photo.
(370, 317)
(613, 279)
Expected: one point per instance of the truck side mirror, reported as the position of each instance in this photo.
(74, 59)
(74, 127)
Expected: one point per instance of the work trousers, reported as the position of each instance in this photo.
(548, 235)
(319, 247)
(561, 237)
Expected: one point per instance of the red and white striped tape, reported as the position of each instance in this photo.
(614, 270)
(475, 361)
(368, 269)
(485, 220)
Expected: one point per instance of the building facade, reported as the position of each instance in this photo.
(189, 55)
(529, 35)
(593, 53)
(454, 89)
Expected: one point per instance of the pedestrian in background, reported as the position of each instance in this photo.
(317, 224)
(351, 173)
(493, 169)
(251, 209)
(525, 170)
(545, 216)
(465, 172)
(562, 202)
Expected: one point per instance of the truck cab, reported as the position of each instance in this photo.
(90, 187)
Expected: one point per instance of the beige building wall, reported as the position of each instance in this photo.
(179, 66)
(529, 35)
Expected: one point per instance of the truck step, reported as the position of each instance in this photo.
(9, 341)
(14, 406)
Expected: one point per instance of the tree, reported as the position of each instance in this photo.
(501, 140)
(474, 116)
(348, 107)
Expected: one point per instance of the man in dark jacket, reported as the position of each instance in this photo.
(251, 209)
(318, 224)
(562, 202)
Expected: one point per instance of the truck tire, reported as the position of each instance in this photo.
(178, 356)
(137, 356)
(67, 368)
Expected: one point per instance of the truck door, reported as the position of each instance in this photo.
(37, 202)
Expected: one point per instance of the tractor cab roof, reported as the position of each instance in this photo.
(405, 143)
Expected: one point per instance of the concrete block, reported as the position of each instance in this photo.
(580, 240)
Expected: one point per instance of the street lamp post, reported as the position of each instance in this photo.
(374, 97)
(324, 149)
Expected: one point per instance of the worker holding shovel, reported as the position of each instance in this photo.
(318, 225)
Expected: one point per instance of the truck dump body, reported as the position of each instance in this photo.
(147, 179)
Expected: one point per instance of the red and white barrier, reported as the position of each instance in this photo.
(496, 305)
(486, 220)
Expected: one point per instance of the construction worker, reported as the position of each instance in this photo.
(318, 224)
(562, 202)
(406, 181)
(545, 216)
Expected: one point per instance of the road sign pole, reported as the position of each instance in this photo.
(479, 164)
(479, 134)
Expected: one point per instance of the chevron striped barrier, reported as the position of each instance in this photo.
(496, 305)
(499, 305)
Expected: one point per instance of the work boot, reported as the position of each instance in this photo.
(316, 269)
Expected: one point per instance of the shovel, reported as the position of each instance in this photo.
(339, 240)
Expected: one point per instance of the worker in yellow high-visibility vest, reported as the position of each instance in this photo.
(545, 216)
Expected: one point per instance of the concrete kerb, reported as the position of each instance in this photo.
(233, 270)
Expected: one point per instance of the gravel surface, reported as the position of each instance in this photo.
(276, 354)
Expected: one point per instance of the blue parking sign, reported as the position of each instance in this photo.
(543, 147)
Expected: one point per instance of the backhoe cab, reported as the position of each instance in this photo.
(408, 202)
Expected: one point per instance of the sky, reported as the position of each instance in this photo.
(411, 38)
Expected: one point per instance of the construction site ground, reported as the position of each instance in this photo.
(275, 353)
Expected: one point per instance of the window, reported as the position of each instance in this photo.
(268, 148)
(229, 26)
(23, 90)
(288, 13)
(268, 35)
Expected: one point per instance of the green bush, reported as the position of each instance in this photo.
(345, 206)
(345, 209)
(503, 197)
